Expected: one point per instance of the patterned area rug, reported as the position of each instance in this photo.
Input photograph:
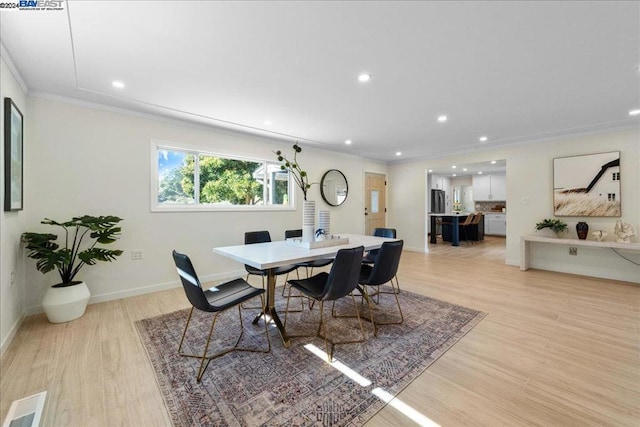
(296, 386)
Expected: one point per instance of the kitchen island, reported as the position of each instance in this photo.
(454, 218)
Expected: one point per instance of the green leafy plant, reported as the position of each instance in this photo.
(554, 224)
(299, 175)
(77, 250)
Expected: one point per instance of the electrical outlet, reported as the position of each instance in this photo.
(136, 254)
(13, 278)
(525, 200)
(573, 250)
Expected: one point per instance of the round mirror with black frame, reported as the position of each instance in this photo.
(334, 187)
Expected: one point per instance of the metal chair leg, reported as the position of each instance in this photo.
(203, 357)
(321, 331)
(330, 344)
(252, 308)
(394, 292)
(185, 331)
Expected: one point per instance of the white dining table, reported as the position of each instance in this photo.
(268, 256)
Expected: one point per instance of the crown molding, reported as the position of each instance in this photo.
(529, 139)
(4, 54)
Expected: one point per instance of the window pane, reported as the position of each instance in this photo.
(225, 182)
(374, 201)
(175, 177)
(203, 181)
(277, 185)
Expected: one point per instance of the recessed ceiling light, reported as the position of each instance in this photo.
(398, 153)
(453, 167)
(634, 112)
(430, 170)
(267, 122)
(348, 142)
(483, 138)
(480, 173)
(364, 77)
(455, 174)
(442, 118)
(493, 162)
(464, 169)
(117, 84)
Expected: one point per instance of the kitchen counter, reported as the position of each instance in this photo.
(495, 223)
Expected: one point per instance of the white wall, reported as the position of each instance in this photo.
(530, 176)
(11, 224)
(94, 161)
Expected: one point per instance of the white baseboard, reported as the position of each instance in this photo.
(219, 277)
(414, 249)
(515, 261)
(12, 333)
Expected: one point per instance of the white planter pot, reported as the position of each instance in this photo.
(67, 303)
(546, 232)
(308, 220)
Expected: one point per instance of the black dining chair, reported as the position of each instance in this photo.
(215, 300)
(384, 271)
(251, 237)
(370, 257)
(316, 263)
(338, 283)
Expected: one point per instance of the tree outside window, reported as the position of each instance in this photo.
(219, 181)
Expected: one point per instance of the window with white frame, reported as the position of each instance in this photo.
(188, 179)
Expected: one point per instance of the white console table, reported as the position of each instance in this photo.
(525, 246)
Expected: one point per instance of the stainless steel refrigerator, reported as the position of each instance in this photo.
(437, 201)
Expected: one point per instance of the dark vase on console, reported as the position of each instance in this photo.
(582, 228)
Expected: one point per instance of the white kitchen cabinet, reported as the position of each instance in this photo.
(482, 187)
(489, 187)
(499, 187)
(440, 182)
(495, 224)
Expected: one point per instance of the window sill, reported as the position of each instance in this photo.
(193, 208)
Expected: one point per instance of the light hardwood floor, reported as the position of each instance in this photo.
(555, 349)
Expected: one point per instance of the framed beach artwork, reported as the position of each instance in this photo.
(587, 185)
(13, 139)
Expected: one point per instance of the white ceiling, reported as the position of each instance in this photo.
(470, 169)
(513, 71)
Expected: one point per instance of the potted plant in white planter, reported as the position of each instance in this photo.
(555, 225)
(68, 299)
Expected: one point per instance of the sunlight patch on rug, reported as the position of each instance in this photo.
(297, 386)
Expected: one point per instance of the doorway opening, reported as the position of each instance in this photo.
(462, 190)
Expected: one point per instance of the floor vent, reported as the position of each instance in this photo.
(26, 412)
